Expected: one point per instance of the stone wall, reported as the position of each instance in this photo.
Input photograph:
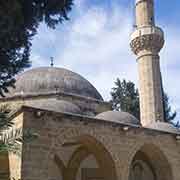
(65, 141)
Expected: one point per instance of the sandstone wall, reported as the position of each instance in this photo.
(65, 140)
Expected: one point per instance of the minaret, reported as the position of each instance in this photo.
(146, 42)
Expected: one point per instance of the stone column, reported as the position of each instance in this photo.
(146, 43)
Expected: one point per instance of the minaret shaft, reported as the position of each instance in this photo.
(144, 13)
(146, 42)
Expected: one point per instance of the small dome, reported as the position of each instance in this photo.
(55, 105)
(118, 116)
(162, 126)
(50, 79)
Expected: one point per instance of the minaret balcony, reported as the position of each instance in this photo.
(149, 38)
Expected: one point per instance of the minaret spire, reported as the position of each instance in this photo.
(146, 43)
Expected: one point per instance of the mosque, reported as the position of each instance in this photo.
(79, 136)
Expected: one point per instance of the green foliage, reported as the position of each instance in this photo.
(11, 141)
(169, 115)
(5, 122)
(125, 97)
(10, 138)
(19, 21)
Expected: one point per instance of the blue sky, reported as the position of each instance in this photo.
(95, 44)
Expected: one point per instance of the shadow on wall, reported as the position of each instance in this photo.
(4, 166)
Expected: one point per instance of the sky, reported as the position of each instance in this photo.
(95, 44)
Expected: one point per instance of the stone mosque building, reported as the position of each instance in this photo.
(79, 136)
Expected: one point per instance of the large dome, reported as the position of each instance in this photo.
(51, 79)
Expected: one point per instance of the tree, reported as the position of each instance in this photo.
(10, 138)
(125, 97)
(19, 21)
(169, 115)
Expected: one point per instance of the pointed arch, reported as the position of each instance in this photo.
(91, 146)
(153, 161)
(74, 163)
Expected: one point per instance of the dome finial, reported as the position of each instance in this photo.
(52, 61)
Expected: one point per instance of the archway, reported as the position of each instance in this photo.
(91, 151)
(149, 163)
(4, 166)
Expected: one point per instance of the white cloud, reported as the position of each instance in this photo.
(98, 48)
(91, 24)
